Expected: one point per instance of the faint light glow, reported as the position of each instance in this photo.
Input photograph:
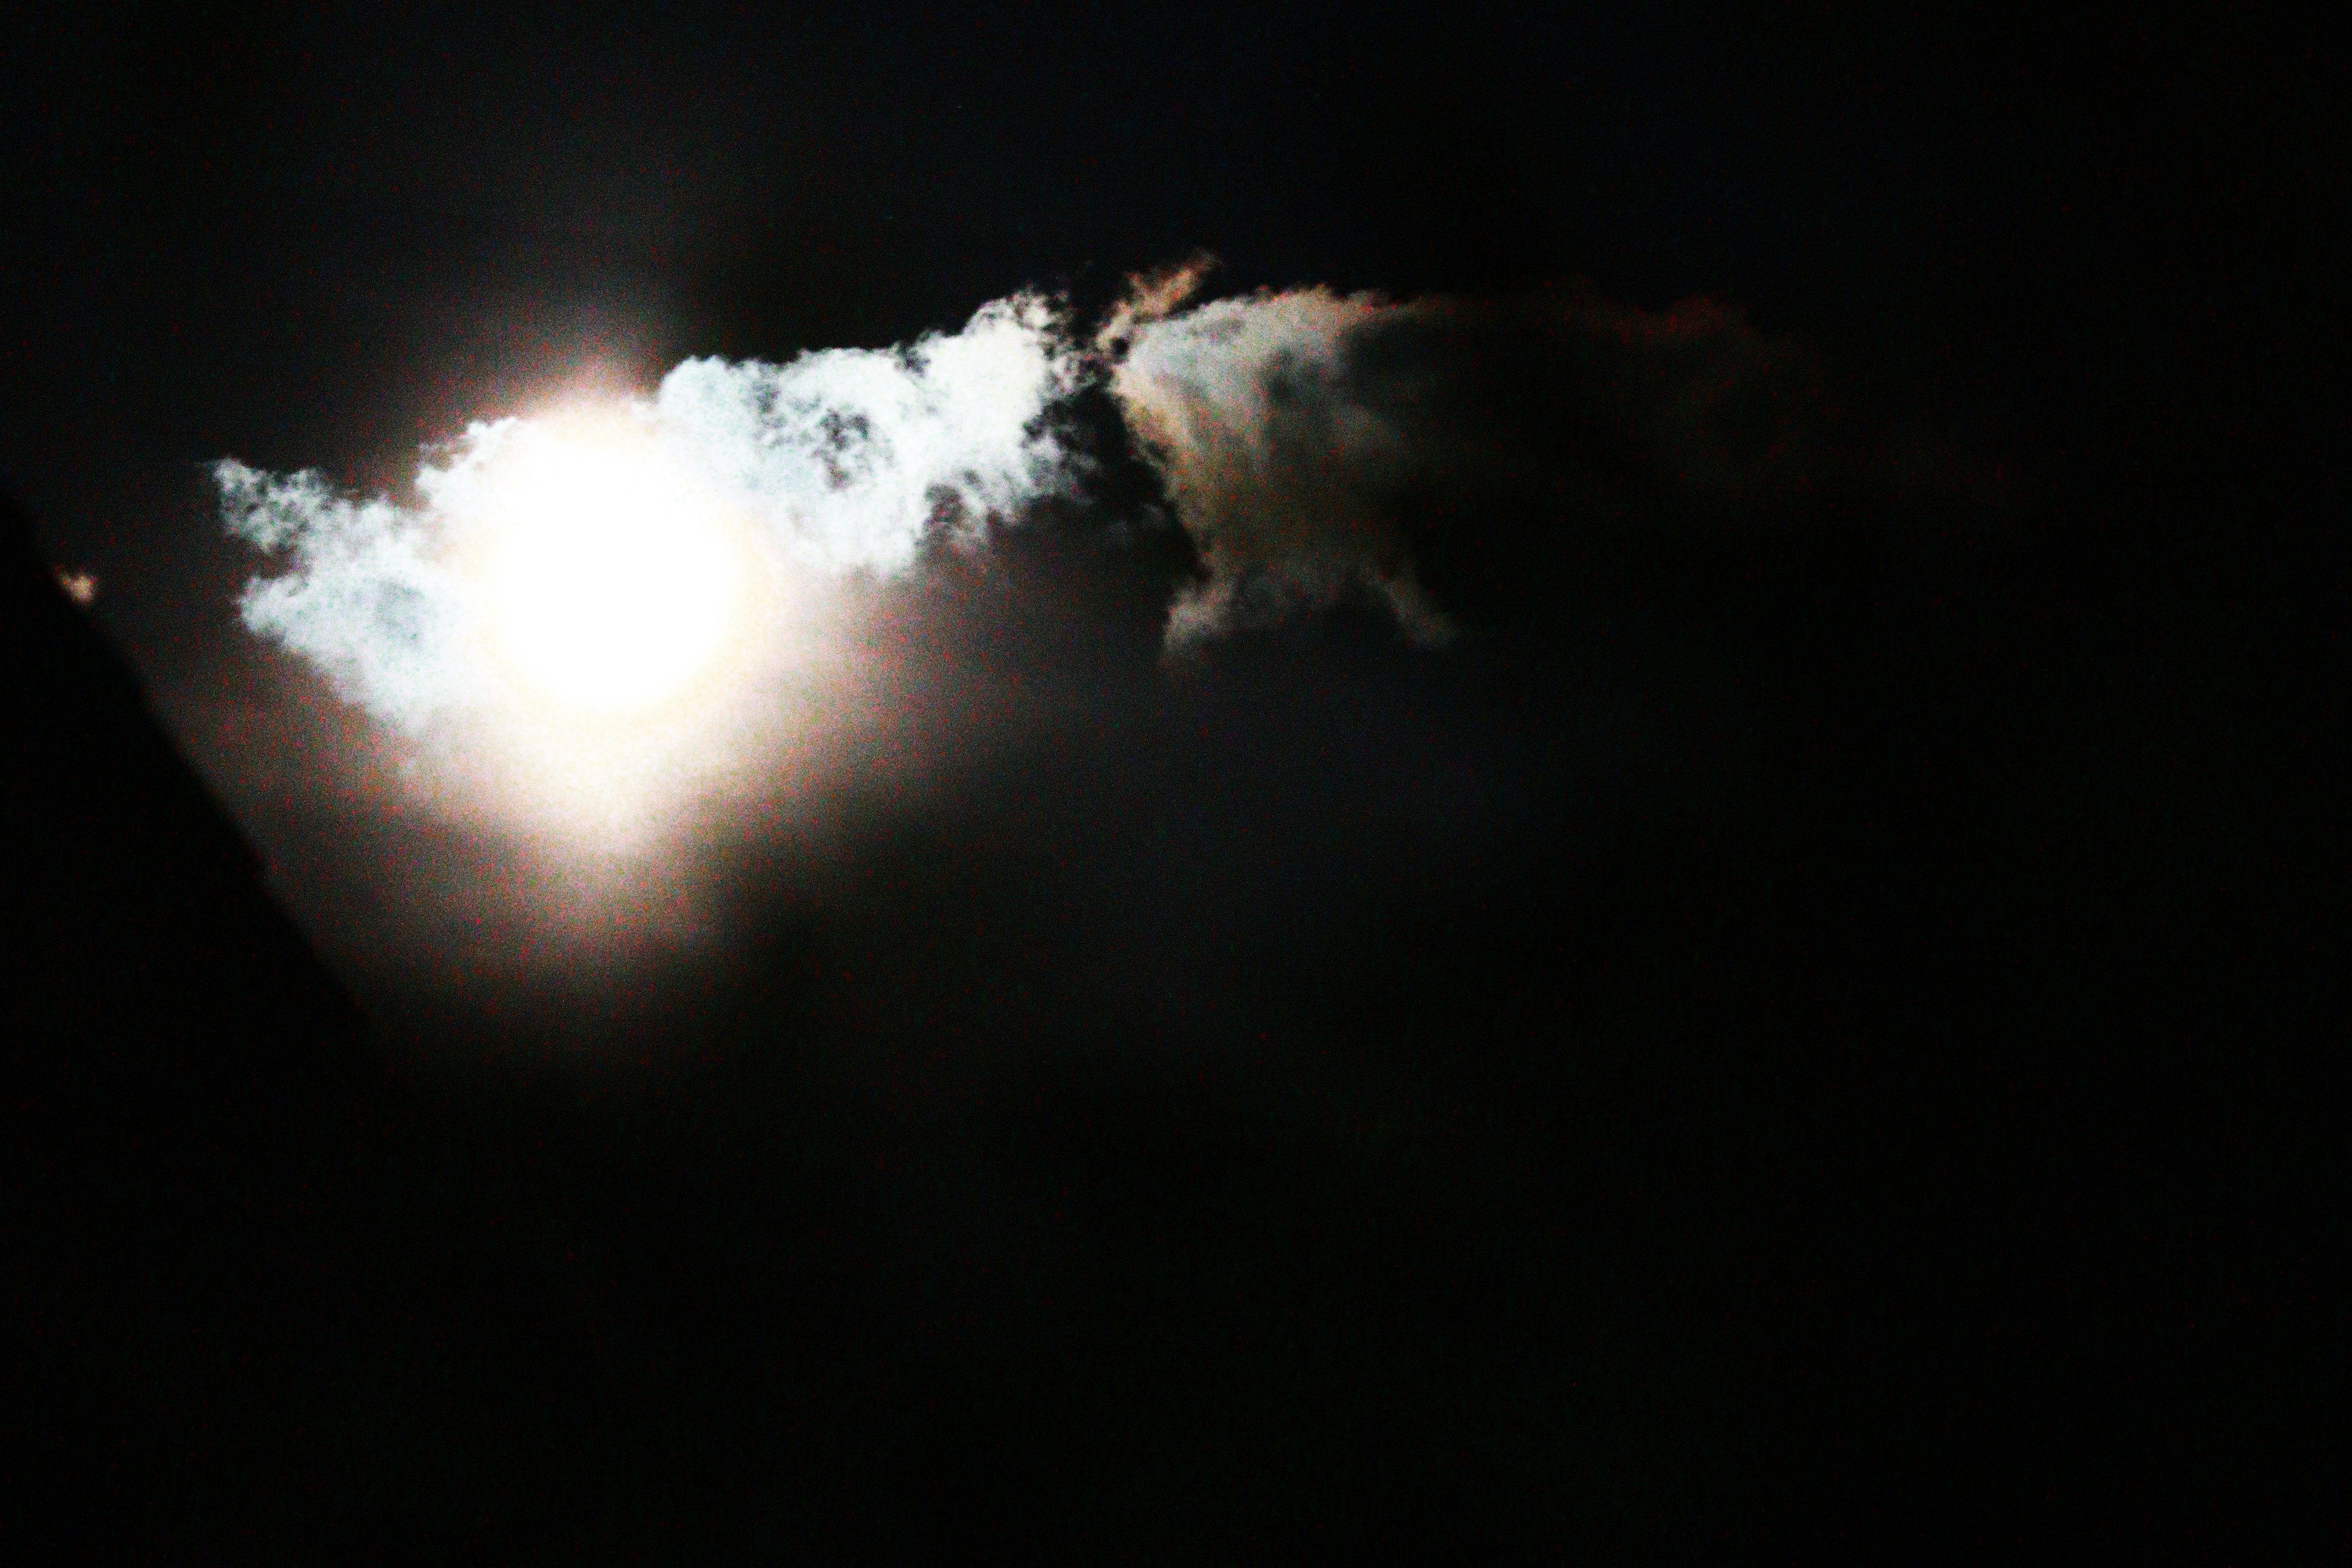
(81, 587)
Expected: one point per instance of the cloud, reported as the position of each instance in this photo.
(854, 455)
(848, 457)
(1297, 430)
(1275, 464)
(371, 599)
(1305, 439)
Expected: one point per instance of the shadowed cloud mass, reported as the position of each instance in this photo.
(1303, 435)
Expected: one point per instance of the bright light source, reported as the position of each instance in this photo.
(613, 579)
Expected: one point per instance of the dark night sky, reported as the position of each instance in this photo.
(1799, 1028)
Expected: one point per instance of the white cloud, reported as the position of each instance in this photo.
(848, 457)
(852, 454)
(369, 599)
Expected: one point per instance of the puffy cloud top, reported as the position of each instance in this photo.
(852, 455)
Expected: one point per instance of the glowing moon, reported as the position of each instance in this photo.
(629, 624)
(613, 581)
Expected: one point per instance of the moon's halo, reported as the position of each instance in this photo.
(630, 623)
(616, 641)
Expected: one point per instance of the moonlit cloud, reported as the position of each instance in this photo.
(853, 455)
(597, 634)
(1293, 430)
(846, 461)
(370, 598)
(1296, 429)
(1274, 466)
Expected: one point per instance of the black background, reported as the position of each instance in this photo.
(1792, 1038)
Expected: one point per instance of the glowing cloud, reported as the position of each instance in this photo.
(1276, 466)
(602, 559)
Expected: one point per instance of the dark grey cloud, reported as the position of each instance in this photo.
(1296, 429)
